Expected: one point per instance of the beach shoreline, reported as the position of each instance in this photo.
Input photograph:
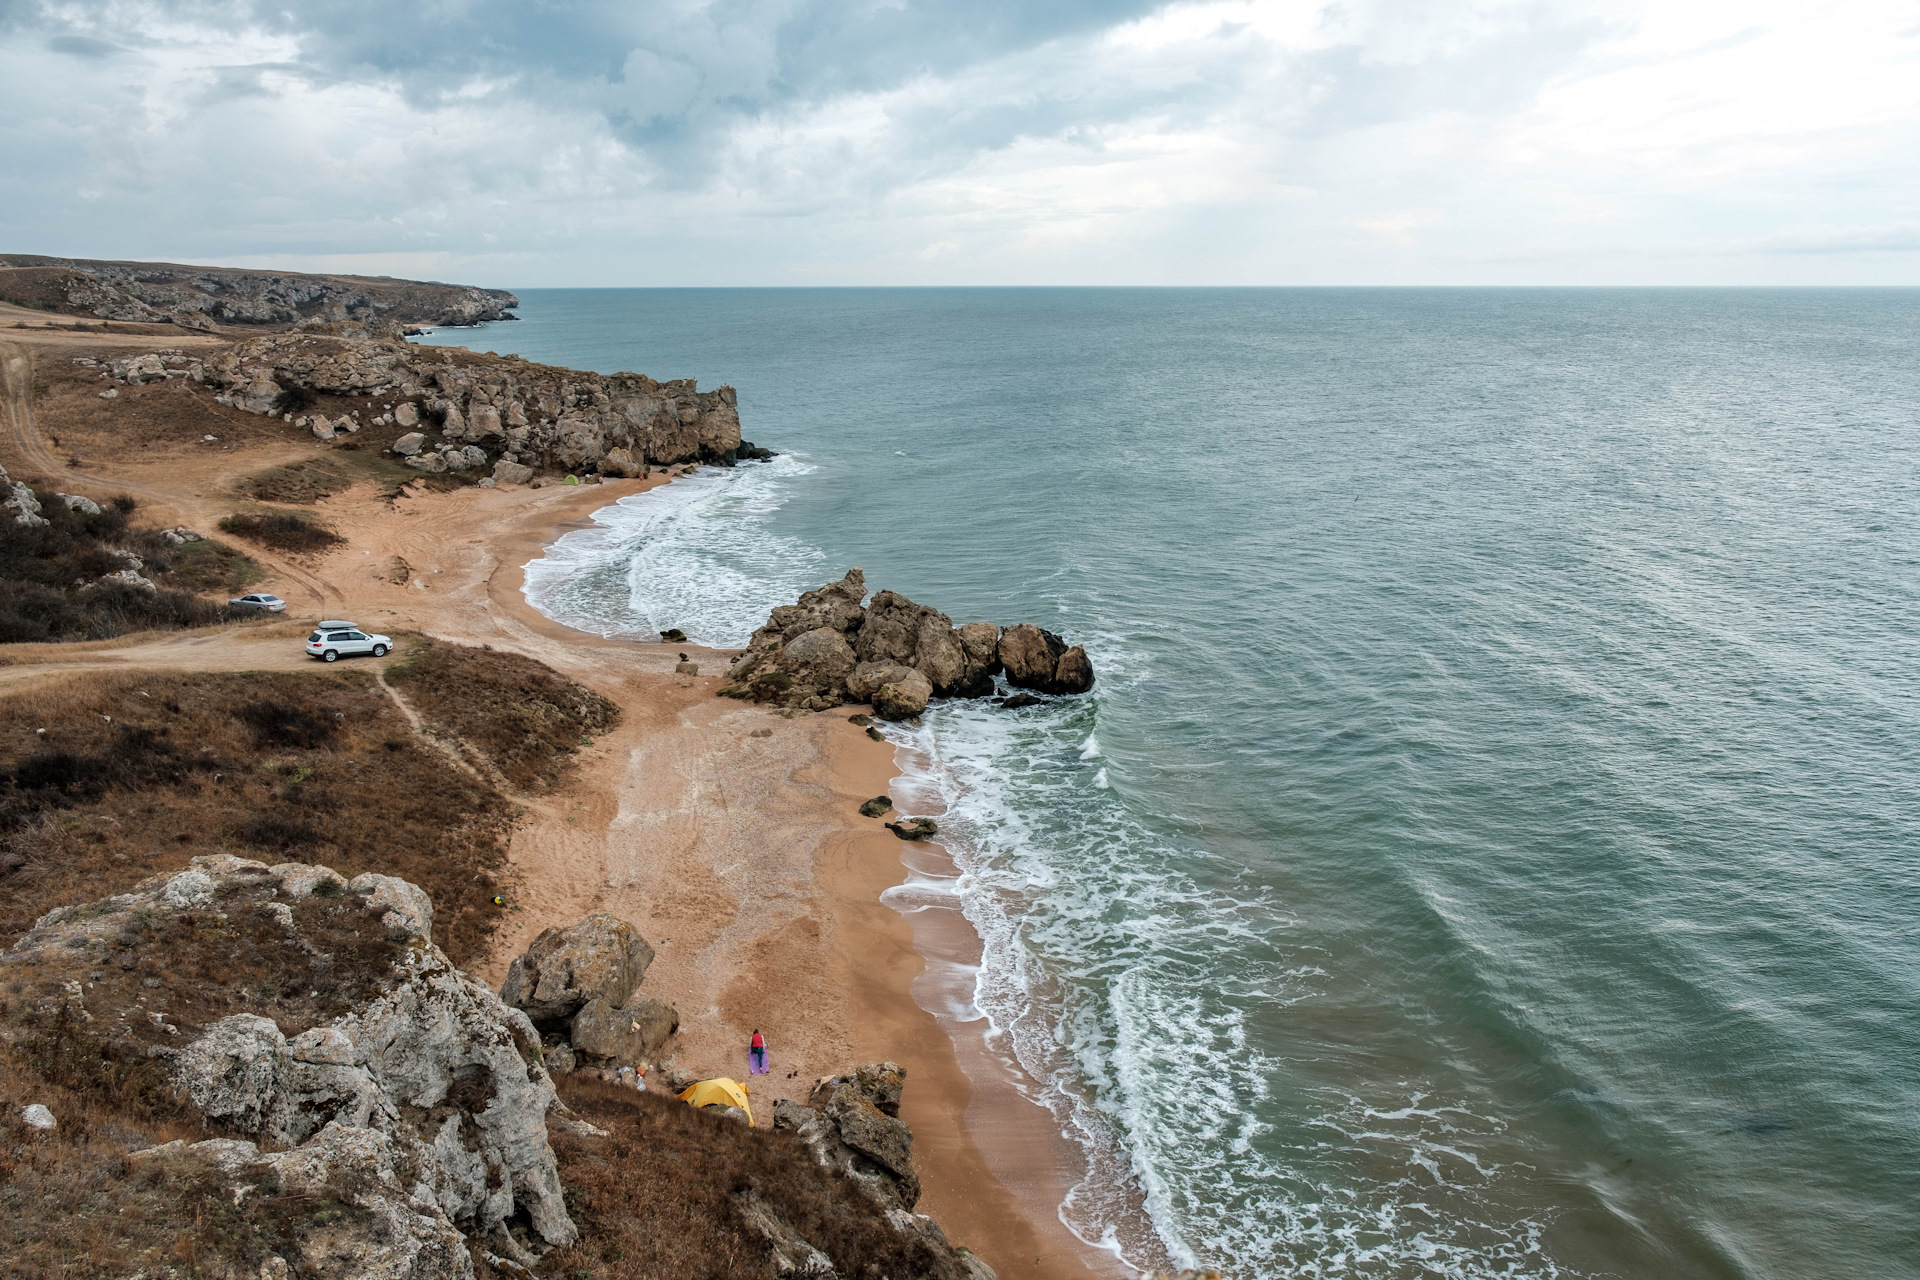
(729, 834)
(999, 1198)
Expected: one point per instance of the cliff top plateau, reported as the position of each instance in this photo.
(205, 298)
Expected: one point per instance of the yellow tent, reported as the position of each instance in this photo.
(720, 1092)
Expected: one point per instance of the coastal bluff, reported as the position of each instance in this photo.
(204, 297)
(447, 409)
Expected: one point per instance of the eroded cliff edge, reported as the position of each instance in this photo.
(447, 409)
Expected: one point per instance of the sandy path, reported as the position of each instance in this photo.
(728, 834)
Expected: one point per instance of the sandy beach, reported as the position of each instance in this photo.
(728, 834)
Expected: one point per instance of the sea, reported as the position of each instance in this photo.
(1492, 847)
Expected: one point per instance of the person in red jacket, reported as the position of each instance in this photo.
(757, 1053)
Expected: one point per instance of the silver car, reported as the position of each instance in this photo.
(259, 600)
(333, 640)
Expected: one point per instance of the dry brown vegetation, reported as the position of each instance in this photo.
(661, 1196)
(51, 576)
(73, 1206)
(308, 480)
(281, 530)
(325, 474)
(109, 778)
(158, 417)
(136, 774)
(524, 718)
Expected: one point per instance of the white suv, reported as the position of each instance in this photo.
(333, 640)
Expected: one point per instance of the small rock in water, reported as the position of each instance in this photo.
(1019, 700)
(674, 635)
(38, 1117)
(875, 807)
(875, 734)
(914, 828)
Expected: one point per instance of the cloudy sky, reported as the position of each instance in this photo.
(589, 142)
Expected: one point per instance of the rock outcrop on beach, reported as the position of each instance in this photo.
(472, 411)
(578, 986)
(200, 297)
(370, 1073)
(830, 648)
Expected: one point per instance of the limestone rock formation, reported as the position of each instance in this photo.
(833, 646)
(852, 1123)
(600, 958)
(474, 411)
(630, 1034)
(424, 1101)
(19, 502)
(398, 1234)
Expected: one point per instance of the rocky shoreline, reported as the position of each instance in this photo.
(832, 648)
(499, 416)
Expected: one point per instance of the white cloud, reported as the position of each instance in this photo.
(1373, 141)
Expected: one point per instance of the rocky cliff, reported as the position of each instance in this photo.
(369, 1073)
(460, 410)
(358, 1107)
(200, 297)
(831, 648)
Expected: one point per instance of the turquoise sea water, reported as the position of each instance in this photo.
(1491, 848)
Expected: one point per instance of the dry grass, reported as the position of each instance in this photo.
(524, 718)
(657, 1197)
(158, 419)
(211, 567)
(136, 774)
(74, 1206)
(308, 480)
(347, 464)
(281, 530)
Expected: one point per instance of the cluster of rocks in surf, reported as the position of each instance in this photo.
(833, 648)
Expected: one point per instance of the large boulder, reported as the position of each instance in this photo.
(20, 500)
(1040, 660)
(1030, 655)
(822, 655)
(628, 1035)
(599, 958)
(1073, 673)
(866, 679)
(904, 698)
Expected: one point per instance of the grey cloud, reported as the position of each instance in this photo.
(83, 47)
